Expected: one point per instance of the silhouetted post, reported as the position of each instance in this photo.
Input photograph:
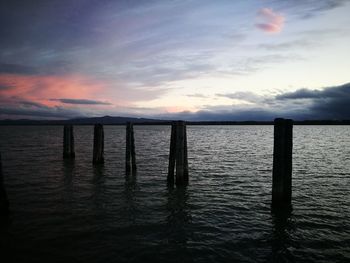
(178, 154)
(130, 155)
(98, 144)
(282, 165)
(171, 166)
(185, 157)
(68, 142)
(4, 203)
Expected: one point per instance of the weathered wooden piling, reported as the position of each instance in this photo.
(4, 203)
(98, 157)
(68, 142)
(282, 165)
(130, 154)
(171, 166)
(178, 154)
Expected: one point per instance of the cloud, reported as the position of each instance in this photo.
(82, 101)
(270, 21)
(10, 68)
(54, 67)
(32, 104)
(329, 103)
(244, 96)
(40, 88)
(338, 92)
(310, 8)
(4, 87)
(232, 114)
(46, 113)
(198, 95)
(303, 104)
(289, 45)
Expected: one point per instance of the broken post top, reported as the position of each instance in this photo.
(179, 122)
(282, 121)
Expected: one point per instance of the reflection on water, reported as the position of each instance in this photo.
(129, 194)
(282, 244)
(98, 174)
(179, 217)
(71, 210)
(68, 172)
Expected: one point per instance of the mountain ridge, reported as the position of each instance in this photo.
(119, 120)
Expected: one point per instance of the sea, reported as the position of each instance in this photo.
(73, 211)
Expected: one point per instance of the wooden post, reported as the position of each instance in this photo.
(185, 157)
(98, 144)
(178, 154)
(68, 142)
(282, 165)
(130, 154)
(172, 151)
(4, 203)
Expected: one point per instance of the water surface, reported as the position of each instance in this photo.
(65, 211)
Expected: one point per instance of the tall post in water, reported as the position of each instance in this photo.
(4, 203)
(98, 144)
(68, 142)
(282, 165)
(185, 157)
(171, 166)
(178, 155)
(130, 154)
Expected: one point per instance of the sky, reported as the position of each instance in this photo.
(175, 59)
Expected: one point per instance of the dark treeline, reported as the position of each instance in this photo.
(108, 120)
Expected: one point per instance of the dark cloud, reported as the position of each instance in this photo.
(55, 67)
(303, 104)
(317, 6)
(329, 103)
(17, 69)
(5, 87)
(47, 113)
(82, 101)
(306, 9)
(33, 104)
(339, 92)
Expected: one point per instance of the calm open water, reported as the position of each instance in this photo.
(74, 212)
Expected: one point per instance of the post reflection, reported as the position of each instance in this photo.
(282, 242)
(98, 189)
(68, 172)
(179, 217)
(130, 178)
(130, 188)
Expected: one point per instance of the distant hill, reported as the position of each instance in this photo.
(110, 120)
(106, 120)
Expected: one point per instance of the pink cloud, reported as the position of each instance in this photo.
(270, 21)
(42, 89)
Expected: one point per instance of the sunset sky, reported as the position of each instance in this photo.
(189, 59)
